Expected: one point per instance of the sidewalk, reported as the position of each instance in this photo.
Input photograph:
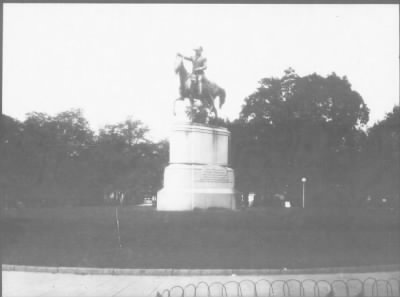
(20, 283)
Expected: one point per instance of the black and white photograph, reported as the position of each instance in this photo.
(200, 149)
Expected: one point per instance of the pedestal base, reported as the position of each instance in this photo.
(198, 175)
(190, 186)
(184, 199)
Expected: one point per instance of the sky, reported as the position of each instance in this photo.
(116, 61)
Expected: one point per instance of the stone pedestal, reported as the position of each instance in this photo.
(198, 175)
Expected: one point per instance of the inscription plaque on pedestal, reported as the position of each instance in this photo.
(214, 174)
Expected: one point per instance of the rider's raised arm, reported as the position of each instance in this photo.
(188, 58)
(185, 57)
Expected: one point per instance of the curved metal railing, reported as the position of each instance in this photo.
(290, 287)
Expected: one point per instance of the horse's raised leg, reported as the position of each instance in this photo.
(213, 108)
(215, 111)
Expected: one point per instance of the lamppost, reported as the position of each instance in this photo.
(303, 180)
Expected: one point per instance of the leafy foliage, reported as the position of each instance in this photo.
(380, 160)
(295, 126)
(58, 160)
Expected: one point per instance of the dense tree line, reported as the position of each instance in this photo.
(289, 127)
(58, 160)
(314, 127)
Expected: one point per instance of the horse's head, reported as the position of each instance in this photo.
(179, 64)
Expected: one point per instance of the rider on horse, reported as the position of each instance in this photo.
(199, 65)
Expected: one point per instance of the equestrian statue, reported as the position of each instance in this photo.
(195, 85)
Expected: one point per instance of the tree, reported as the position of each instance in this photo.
(380, 174)
(13, 174)
(128, 161)
(57, 147)
(298, 126)
(58, 160)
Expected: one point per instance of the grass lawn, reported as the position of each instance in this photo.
(252, 238)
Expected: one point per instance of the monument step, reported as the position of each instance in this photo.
(189, 199)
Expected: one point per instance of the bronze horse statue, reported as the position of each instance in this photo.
(210, 90)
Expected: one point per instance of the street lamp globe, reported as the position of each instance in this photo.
(304, 184)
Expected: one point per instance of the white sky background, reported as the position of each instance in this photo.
(117, 60)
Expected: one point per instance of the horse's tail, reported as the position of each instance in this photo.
(222, 96)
